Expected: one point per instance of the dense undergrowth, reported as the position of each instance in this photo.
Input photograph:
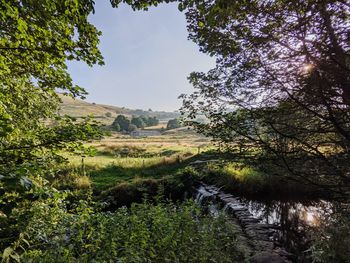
(162, 232)
(83, 222)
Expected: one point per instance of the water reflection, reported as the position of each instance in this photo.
(296, 221)
(288, 225)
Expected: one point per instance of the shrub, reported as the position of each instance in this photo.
(69, 177)
(173, 124)
(138, 122)
(240, 179)
(132, 127)
(121, 121)
(144, 233)
(176, 188)
(332, 239)
(125, 151)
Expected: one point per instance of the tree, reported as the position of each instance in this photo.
(149, 121)
(132, 127)
(36, 40)
(153, 121)
(116, 126)
(121, 121)
(271, 53)
(138, 122)
(145, 120)
(108, 114)
(173, 124)
(282, 76)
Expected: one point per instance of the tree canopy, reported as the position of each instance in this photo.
(173, 124)
(36, 40)
(281, 85)
(281, 77)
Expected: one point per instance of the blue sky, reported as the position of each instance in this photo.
(147, 58)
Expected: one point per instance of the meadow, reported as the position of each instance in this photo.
(122, 158)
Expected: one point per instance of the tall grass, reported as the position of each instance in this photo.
(248, 181)
(106, 171)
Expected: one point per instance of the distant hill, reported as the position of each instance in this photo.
(79, 108)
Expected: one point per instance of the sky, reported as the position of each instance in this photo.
(147, 58)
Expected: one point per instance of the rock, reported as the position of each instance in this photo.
(259, 236)
(270, 226)
(249, 221)
(223, 196)
(266, 257)
(283, 253)
(263, 245)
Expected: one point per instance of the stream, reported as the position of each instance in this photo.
(280, 229)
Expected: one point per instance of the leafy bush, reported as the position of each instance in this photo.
(121, 123)
(124, 151)
(173, 124)
(173, 187)
(138, 122)
(144, 233)
(332, 239)
(132, 127)
(70, 178)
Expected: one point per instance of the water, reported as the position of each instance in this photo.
(297, 222)
(309, 213)
(288, 224)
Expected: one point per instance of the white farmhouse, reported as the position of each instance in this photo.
(144, 133)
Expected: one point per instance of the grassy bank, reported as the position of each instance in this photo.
(249, 181)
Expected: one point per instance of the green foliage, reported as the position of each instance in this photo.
(116, 126)
(280, 86)
(143, 233)
(138, 122)
(132, 127)
(121, 123)
(150, 121)
(173, 124)
(36, 40)
(174, 187)
(332, 239)
(238, 178)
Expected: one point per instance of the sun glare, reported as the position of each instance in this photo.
(307, 68)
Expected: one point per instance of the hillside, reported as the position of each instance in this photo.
(79, 108)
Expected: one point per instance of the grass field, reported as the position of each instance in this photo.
(121, 158)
